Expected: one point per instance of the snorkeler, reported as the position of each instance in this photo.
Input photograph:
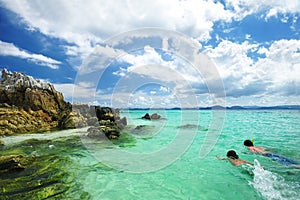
(279, 158)
(234, 159)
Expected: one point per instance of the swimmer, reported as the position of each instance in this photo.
(234, 159)
(279, 158)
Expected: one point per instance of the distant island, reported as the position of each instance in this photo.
(277, 107)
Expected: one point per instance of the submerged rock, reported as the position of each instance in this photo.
(9, 163)
(155, 116)
(48, 175)
(143, 131)
(106, 128)
(188, 126)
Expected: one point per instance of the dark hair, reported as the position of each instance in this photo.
(248, 143)
(232, 154)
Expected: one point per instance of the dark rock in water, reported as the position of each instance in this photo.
(106, 128)
(155, 116)
(1, 143)
(152, 117)
(109, 123)
(10, 163)
(146, 116)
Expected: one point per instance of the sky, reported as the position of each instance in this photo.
(154, 54)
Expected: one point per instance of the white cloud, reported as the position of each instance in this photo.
(276, 73)
(282, 64)
(231, 58)
(242, 8)
(164, 89)
(9, 49)
(85, 24)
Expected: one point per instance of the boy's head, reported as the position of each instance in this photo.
(232, 154)
(248, 143)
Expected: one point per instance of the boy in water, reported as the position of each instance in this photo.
(263, 151)
(234, 158)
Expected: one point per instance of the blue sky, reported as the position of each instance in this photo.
(157, 53)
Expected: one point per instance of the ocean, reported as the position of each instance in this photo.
(170, 158)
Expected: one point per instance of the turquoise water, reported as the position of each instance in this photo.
(163, 161)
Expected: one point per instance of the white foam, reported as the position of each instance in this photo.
(43, 136)
(271, 185)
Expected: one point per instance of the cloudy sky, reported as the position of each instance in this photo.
(157, 53)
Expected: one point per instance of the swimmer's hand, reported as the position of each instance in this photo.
(218, 157)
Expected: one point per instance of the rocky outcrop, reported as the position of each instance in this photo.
(28, 93)
(152, 117)
(109, 123)
(30, 105)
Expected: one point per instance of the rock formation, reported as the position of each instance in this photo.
(109, 123)
(27, 104)
(153, 116)
(30, 105)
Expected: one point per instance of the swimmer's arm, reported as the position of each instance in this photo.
(267, 149)
(218, 157)
(245, 161)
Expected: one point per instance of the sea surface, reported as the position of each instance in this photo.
(170, 158)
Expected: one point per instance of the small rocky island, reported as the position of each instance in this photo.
(28, 105)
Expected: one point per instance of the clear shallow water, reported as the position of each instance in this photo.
(185, 175)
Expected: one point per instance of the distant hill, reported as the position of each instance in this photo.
(278, 107)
